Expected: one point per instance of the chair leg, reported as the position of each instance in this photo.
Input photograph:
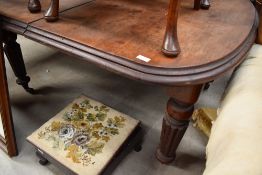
(197, 4)
(52, 13)
(205, 4)
(14, 55)
(170, 45)
(34, 6)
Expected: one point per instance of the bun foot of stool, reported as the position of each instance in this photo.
(138, 148)
(43, 161)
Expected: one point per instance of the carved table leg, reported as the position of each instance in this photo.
(53, 11)
(205, 4)
(180, 107)
(14, 54)
(34, 6)
(171, 46)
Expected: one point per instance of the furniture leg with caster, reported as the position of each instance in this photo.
(14, 55)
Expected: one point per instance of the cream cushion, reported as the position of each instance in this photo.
(235, 145)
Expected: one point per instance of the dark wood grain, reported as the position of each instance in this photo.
(8, 144)
(197, 4)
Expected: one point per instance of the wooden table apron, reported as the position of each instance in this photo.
(183, 85)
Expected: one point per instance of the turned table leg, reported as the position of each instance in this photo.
(170, 45)
(179, 109)
(14, 55)
(53, 11)
(34, 6)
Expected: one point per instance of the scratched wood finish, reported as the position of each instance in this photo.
(129, 28)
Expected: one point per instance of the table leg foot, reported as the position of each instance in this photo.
(172, 132)
(170, 45)
(138, 148)
(52, 14)
(14, 55)
(179, 110)
(205, 4)
(34, 6)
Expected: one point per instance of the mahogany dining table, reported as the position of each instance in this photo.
(125, 37)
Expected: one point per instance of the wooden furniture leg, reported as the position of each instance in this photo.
(180, 107)
(53, 11)
(14, 55)
(205, 4)
(197, 4)
(34, 6)
(170, 45)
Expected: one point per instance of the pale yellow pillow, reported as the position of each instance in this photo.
(235, 144)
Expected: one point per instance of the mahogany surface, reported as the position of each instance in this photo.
(129, 28)
(124, 29)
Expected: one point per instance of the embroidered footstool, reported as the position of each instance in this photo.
(86, 137)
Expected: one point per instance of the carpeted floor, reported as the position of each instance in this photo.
(60, 78)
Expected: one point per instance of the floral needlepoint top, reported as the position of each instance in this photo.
(83, 131)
